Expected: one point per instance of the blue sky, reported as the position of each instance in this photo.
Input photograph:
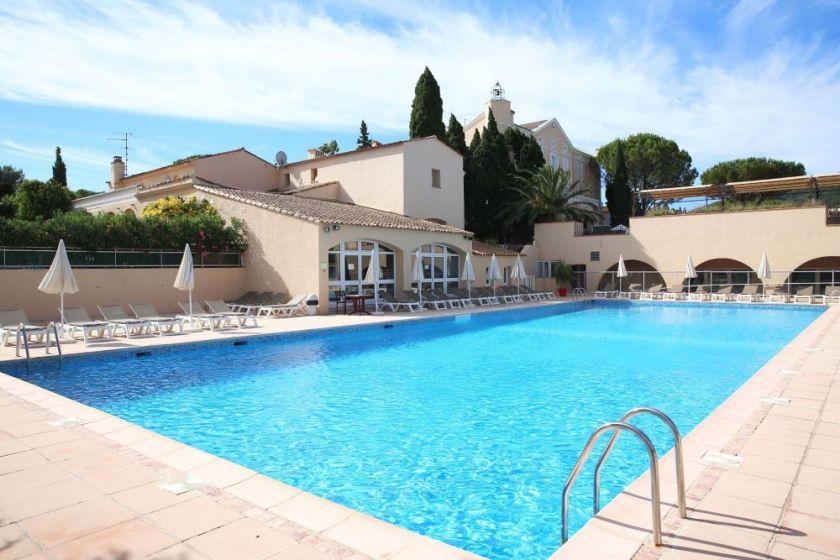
(723, 79)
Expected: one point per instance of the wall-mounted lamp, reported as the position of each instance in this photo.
(336, 227)
(327, 228)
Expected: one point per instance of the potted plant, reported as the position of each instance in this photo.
(564, 276)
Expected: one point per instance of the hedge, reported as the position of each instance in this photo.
(204, 233)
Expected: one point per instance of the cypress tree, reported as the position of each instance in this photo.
(59, 170)
(455, 135)
(473, 197)
(427, 108)
(621, 196)
(364, 140)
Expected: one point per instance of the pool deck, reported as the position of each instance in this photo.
(781, 503)
(76, 482)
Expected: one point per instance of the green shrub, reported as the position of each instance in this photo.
(205, 233)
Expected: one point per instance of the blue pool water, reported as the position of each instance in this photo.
(461, 429)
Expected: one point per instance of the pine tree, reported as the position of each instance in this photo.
(364, 140)
(455, 135)
(427, 108)
(59, 170)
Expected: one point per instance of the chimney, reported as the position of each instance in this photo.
(117, 172)
(313, 153)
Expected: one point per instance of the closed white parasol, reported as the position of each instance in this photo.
(185, 280)
(60, 278)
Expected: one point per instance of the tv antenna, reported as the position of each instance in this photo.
(123, 137)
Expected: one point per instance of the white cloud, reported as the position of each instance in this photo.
(745, 12)
(290, 67)
(76, 158)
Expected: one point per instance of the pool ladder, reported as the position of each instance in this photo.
(616, 428)
(21, 333)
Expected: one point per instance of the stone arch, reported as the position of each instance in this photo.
(638, 272)
(129, 211)
(725, 271)
(821, 273)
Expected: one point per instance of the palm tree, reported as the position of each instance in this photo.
(549, 195)
(328, 148)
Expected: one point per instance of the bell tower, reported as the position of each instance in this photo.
(500, 107)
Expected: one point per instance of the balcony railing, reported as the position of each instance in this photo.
(42, 258)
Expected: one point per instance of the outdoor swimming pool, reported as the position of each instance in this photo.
(462, 429)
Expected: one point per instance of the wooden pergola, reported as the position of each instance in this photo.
(811, 183)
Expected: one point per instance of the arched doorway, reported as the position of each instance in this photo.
(638, 272)
(441, 267)
(724, 272)
(349, 262)
(822, 274)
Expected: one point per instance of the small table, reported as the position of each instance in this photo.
(358, 304)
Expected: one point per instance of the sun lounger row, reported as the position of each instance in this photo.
(748, 294)
(462, 298)
(269, 304)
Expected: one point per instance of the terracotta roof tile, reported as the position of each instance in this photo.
(532, 125)
(479, 248)
(327, 211)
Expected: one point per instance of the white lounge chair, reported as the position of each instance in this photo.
(163, 325)
(749, 294)
(832, 295)
(805, 295)
(674, 292)
(633, 291)
(700, 294)
(15, 326)
(212, 321)
(242, 319)
(116, 315)
(654, 292)
(394, 304)
(608, 291)
(294, 306)
(724, 293)
(76, 320)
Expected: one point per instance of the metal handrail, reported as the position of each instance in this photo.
(654, 476)
(678, 455)
(22, 334)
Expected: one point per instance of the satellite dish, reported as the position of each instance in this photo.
(281, 158)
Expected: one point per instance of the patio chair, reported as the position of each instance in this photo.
(116, 315)
(163, 325)
(249, 300)
(15, 325)
(76, 320)
(654, 292)
(700, 294)
(675, 292)
(398, 304)
(340, 299)
(805, 295)
(832, 295)
(749, 294)
(239, 317)
(211, 321)
(607, 292)
(724, 293)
